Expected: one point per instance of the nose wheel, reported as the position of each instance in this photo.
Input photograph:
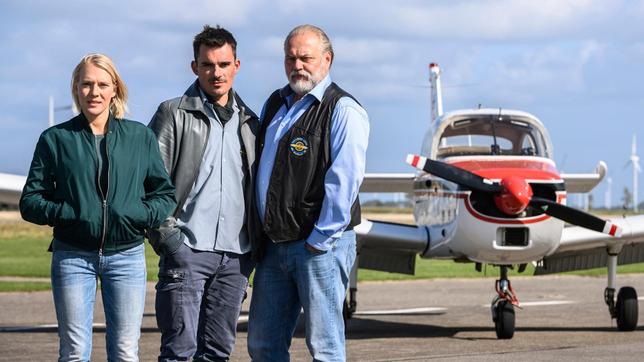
(503, 306)
(503, 317)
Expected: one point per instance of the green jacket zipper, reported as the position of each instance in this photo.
(103, 193)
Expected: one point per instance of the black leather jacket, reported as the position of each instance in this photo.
(182, 128)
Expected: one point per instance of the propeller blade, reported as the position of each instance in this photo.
(576, 217)
(453, 174)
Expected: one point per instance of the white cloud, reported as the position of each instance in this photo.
(506, 19)
(270, 46)
(362, 51)
(227, 13)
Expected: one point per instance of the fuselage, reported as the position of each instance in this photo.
(466, 224)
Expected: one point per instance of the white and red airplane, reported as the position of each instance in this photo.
(489, 192)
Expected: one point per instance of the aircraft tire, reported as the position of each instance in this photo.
(627, 310)
(346, 311)
(504, 321)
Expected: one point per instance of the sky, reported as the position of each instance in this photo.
(574, 64)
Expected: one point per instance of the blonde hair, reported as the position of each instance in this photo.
(118, 104)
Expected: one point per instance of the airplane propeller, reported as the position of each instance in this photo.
(513, 195)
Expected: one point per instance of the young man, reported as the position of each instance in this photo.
(312, 142)
(207, 141)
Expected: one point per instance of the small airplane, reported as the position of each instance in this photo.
(488, 192)
(10, 188)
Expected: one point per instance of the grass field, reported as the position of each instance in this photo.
(23, 253)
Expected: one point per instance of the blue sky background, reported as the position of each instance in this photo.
(576, 65)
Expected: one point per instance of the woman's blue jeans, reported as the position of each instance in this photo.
(75, 276)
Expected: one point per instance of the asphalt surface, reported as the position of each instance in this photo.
(563, 318)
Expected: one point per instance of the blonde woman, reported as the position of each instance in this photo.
(98, 179)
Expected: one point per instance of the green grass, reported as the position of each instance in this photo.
(24, 286)
(387, 210)
(430, 269)
(24, 257)
(23, 253)
(27, 256)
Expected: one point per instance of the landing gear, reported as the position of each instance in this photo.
(503, 306)
(350, 302)
(503, 316)
(625, 311)
(350, 305)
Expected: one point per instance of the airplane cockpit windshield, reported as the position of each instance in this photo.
(490, 135)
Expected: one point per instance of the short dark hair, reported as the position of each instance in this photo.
(215, 37)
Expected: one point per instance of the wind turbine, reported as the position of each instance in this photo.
(51, 119)
(635, 162)
(608, 195)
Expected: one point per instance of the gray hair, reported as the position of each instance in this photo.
(325, 43)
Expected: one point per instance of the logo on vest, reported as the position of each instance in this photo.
(299, 146)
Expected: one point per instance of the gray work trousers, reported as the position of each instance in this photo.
(198, 302)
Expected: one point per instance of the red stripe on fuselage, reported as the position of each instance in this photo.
(497, 168)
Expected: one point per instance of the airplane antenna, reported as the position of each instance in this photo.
(436, 93)
(496, 150)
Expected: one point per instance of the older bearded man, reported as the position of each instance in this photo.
(313, 140)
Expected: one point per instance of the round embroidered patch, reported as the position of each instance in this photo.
(299, 146)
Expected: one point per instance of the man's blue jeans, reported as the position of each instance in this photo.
(291, 278)
(122, 275)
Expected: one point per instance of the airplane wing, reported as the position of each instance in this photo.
(581, 248)
(11, 188)
(387, 246)
(390, 247)
(404, 182)
(388, 182)
(584, 182)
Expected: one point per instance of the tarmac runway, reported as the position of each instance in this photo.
(563, 318)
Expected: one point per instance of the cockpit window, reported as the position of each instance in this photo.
(489, 135)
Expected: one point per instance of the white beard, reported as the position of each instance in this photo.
(303, 86)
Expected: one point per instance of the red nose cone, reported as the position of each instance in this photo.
(515, 196)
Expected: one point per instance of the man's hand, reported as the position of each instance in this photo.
(311, 249)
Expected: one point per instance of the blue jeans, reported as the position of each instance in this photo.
(291, 278)
(74, 276)
(198, 302)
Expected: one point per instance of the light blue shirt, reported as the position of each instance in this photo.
(213, 216)
(349, 139)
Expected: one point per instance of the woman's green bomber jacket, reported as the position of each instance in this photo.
(62, 186)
